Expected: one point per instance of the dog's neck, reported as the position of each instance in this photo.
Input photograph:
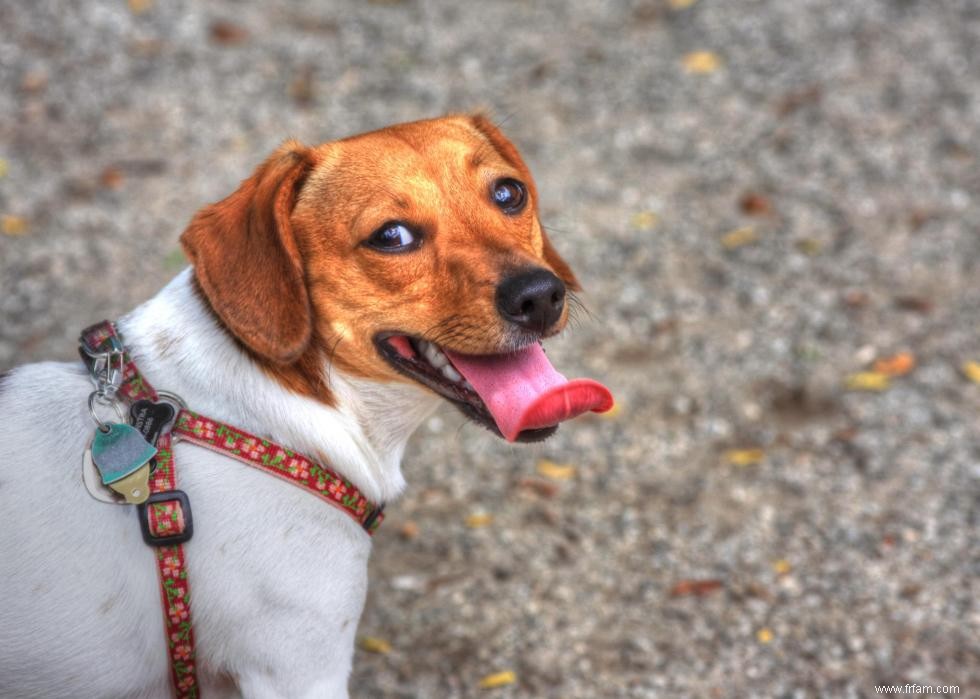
(181, 347)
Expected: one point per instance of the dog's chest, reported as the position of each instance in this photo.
(270, 560)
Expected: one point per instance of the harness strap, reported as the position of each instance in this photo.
(165, 518)
(281, 462)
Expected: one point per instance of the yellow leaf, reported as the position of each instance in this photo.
(14, 225)
(138, 7)
(374, 645)
(701, 62)
(644, 221)
(556, 472)
(972, 371)
(897, 365)
(868, 381)
(681, 4)
(3, 167)
(744, 457)
(478, 519)
(782, 567)
(764, 635)
(809, 246)
(739, 237)
(498, 679)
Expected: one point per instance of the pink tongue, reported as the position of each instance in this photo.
(524, 392)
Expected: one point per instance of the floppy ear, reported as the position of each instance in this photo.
(509, 153)
(247, 262)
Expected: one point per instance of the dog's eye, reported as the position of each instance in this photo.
(394, 237)
(509, 195)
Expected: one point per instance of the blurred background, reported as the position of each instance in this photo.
(774, 207)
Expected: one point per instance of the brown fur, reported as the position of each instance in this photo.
(281, 261)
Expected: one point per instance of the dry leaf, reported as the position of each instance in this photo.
(764, 635)
(916, 304)
(644, 221)
(782, 567)
(374, 645)
(225, 32)
(138, 7)
(809, 246)
(755, 204)
(556, 472)
(897, 365)
(498, 679)
(409, 530)
(744, 457)
(111, 178)
(701, 62)
(681, 4)
(972, 371)
(868, 381)
(695, 588)
(478, 520)
(3, 168)
(14, 225)
(739, 237)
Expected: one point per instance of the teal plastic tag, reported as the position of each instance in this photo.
(119, 451)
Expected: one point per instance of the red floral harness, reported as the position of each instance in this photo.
(165, 517)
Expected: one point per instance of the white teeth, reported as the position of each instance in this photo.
(450, 373)
(441, 362)
(438, 359)
(434, 355)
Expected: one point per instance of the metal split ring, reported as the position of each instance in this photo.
(103, 399)
(173, 398)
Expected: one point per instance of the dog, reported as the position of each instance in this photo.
(332, 302)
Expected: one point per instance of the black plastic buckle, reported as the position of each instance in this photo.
(174, 539)
(371, 518)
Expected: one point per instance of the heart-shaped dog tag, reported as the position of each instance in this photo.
(151, 419)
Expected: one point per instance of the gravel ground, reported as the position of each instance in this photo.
(838, 140)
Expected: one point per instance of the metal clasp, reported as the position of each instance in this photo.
(105, 366)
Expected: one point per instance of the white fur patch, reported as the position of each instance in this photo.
(277, 578)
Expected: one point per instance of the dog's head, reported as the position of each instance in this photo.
(412, 254)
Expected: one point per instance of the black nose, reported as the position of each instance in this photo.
(532, 299)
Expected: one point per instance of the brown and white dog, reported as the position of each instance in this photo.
(333, 300)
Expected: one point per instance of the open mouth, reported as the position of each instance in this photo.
(517, 395)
